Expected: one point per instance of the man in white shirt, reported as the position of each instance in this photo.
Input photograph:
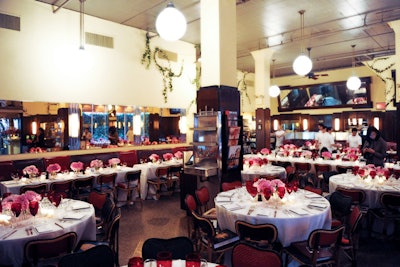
(324, 139)
(279, 136)
(354, 140)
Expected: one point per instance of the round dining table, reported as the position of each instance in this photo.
(50, 222)
(249, 173)
(296, 215)
(373, 188)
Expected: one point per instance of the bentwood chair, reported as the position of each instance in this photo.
(179, 247)
(203, 198)
(226, 186)
(100, 255)
(210, 241)
(321, 248)
(49, 250)
(131, 185)
(319, 170)
(106, 183)
(191, 206)
(82, 187)
(98, 200)
(160, 181)
(263, 236)
(349, 245)
(38, 188)
(63, 187)
(245, 255)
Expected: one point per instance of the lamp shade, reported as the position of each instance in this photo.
(353, 83)
(302, 65)
(274, 91)
(170, 23)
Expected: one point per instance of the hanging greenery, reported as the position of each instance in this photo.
(166, 72)
(242, 86)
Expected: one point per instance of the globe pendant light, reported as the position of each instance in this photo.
(302, 65)
(170, 23)
(353, 83)
(274, 90)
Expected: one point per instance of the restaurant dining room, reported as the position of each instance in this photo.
(230, 133)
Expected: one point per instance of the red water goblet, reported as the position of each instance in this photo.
(267, 193)
(164, 259)
(372, 173)
(281, 191)
(355, 169)
(33, 207)
(194, 260)
(251, 189)
(136, 262)
(16, 208)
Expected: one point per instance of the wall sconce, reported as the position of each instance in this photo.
(136, 124)
(34, 127)
(376, 122)
(360, 121)
(337, 124)
(305, 124)
(73, 125)
(354, 121)
(182, 125)
(275, 125)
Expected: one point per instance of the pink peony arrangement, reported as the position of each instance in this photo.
(114, 161)
(30, 170)
(306, 153)
(326, 155)
(96, 163)
(36, 150)
(23, 199)
(269, 187)
(167, 156)
(265, 151)
(76, 166)
(154, 157)
(53, 168)
(178, 155)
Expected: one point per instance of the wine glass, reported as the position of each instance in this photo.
(33, 209)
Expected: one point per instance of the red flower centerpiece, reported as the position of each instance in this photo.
(270, 187)
(18, 204)
(265, 151)
(326, 155)
(167, 156)
(178, 155)
(154, 158)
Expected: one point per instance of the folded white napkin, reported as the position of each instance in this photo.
(299, 211)
(226, 194)
(80, 205)
(73, 216)
(222, 199)
(46, 228)
(232, 206)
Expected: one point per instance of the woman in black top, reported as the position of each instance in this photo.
(375, 147)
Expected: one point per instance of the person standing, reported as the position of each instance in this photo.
(87, 135)
(375, 147)
(354, 140)
(39, 138)
(113, 135)
(129, 135)
(279, 137)
(324, 140)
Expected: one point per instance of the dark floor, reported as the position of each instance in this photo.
(164, 218)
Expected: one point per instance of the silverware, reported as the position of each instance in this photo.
(9, 234)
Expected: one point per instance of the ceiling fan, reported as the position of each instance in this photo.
(313, 75)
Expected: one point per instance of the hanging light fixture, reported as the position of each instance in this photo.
(353, 83)
(302, 65)
(274, 89)
(170, 23)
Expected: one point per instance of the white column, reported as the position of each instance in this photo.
(218, 43)
(262, 62)
(395, 25)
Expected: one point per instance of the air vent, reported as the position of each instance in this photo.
(10, 22)
(99, 40)
(173, 57)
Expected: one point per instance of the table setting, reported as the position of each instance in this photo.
(372, 180)
(30, 216)
(295, 212)
(254, 167)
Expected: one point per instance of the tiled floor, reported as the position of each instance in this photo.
(164, 218)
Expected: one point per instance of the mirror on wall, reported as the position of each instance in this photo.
(41, 126)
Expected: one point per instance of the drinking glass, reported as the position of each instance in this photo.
(194, 260)
(33, 209)
(135, 262)
(164, 259)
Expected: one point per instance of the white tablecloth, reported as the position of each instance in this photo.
(12, 247)
(295, 219)
(256, 171)
(175, 263)
(149, 172)
(372, 188)
(293, 160)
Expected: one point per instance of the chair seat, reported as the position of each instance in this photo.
(210, 214)
(303, 254)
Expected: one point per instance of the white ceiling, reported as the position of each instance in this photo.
(331, 27)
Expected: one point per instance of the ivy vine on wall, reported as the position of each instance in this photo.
(166, 71)
(242, 86)
(380, 72)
